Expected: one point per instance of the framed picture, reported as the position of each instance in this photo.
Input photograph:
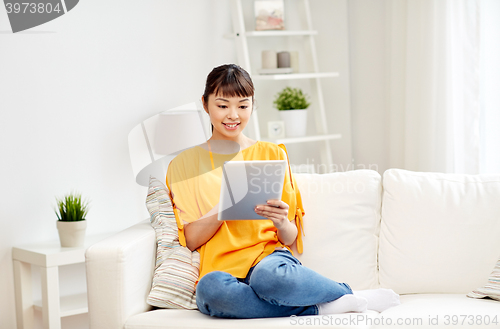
(269, 15)
(276, 129)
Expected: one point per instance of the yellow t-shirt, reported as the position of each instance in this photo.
(237, 245)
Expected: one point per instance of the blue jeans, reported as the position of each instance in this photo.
(277, 286)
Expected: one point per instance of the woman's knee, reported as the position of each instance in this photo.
(272, 275)
(213, 291)
(213, 284)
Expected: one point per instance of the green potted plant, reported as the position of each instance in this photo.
(71, 213)
(292, 104)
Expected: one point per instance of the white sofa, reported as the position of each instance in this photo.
(430, 237)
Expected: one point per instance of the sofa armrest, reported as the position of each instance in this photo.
(119, 275)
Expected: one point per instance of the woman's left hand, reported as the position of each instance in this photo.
(275, 210)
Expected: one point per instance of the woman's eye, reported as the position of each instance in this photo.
(222, 106)
(244, 107)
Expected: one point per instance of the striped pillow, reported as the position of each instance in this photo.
(490, 289)
(177, 268)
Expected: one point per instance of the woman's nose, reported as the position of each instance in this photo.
(233, 114)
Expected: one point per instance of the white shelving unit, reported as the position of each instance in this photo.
(280, 33)
(317, 138)
(295, 76)
(240, 35)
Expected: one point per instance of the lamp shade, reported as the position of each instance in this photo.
(177, 131)
(154, 142)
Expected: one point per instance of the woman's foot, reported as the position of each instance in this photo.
(344, 304)
(379, 299)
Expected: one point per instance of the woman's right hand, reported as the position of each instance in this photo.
(199, 232)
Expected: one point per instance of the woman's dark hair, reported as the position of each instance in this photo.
(228, 80)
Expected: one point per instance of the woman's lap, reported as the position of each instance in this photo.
(277, 286)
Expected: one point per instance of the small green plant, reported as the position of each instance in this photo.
(291, 99)
(71, 208)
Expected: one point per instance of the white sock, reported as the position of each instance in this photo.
(344, 304)
(379, 299)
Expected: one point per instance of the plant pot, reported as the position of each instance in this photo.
(72, 234)
(295, 122)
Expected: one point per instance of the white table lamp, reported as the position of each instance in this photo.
(155, 141)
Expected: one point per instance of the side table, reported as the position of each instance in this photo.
(48, 256)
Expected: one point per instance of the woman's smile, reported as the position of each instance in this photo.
(231, 126)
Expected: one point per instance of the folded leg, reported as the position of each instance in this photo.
(281, 279)
(222, 295)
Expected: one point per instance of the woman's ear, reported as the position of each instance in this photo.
(205, 105)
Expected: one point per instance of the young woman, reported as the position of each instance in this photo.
(247, 269)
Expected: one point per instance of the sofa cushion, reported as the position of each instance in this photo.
(169, 319)
(439, 232)
(442, 311)
(415, 311)
(341, 225)
(177, 268)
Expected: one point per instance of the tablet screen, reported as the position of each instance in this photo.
(246, 184)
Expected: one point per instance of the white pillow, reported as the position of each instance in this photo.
(439, 232)
(341, 225)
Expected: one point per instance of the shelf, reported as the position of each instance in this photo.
(305, 139)
(279, 33)
(70, 305)
(294, 76)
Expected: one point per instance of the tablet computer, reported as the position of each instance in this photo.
(246, 184)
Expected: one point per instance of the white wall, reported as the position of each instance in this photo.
(367, 54)
(70, 92)
(73, 88)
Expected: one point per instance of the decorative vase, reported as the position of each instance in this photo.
(295, 122)
(72, 234)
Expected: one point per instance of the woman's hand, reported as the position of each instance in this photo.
(277, 212)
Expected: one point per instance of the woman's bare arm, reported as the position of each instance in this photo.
(199, 232)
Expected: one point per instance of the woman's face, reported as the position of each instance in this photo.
(228, 115)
